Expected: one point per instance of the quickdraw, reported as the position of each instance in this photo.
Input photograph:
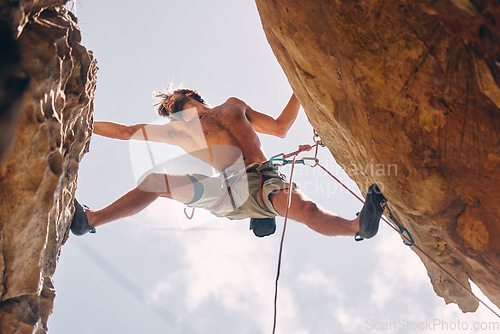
(405, 235)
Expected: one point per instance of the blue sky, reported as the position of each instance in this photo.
(146, 274)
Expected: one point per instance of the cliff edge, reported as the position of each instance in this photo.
(46, 96)
(413, 85)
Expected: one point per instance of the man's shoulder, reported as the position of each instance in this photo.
(231, 106)
(235, 100)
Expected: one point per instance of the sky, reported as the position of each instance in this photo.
(152, 273)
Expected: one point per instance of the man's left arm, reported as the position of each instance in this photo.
(266, 124)
(289, 114)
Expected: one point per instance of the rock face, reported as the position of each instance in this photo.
(406, 94)
(38, 171)
(12, 85)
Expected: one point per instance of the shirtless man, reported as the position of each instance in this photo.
(232, 124)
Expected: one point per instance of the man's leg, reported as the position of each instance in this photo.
(176, 187)
(309, 213)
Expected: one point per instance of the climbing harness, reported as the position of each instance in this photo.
(231, 179)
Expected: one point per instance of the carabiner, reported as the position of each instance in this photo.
(316, 161)
(403, 232)
(317, 139)
(406, 236)
(277, 155)
(278, 161)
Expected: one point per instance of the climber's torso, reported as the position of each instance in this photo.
(220, 136)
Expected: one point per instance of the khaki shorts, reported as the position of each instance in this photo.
(243, 199)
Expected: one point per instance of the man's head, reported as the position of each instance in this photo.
(173, 102)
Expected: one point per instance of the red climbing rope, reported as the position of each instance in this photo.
(289, 201)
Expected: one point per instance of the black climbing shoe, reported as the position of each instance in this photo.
(80, 224)
(263, 227)
(369, 217)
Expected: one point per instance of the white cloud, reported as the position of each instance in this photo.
(348, 319)
(397, 272)
(289, 320)
(227, 266)
(316, 278)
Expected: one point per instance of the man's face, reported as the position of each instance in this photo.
(175, 104)
(178, 101)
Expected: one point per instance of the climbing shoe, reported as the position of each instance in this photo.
(369, 217)
(80, 224)
(263, 227)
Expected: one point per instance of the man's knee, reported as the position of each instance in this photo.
(302, 203)
(279, 199)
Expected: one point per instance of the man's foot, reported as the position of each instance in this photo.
(370, 215)
(80, 223)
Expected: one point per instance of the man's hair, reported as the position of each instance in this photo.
(166, 108)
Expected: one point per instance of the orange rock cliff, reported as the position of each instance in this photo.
(38, 171)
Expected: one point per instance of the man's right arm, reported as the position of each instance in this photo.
(157, 133)
(115, 130)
